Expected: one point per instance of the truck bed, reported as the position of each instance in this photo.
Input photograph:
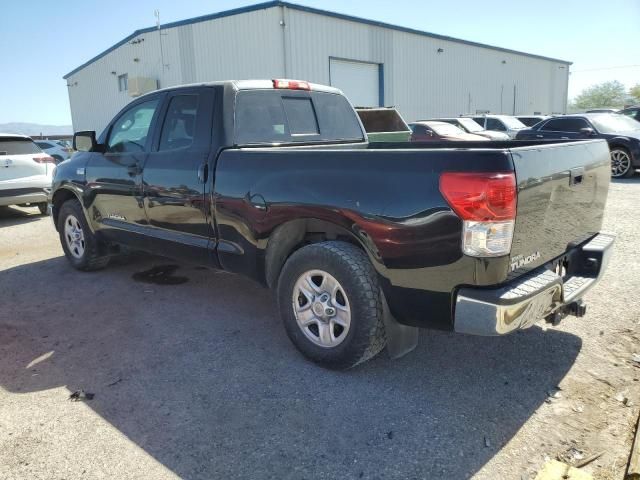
(388, 195)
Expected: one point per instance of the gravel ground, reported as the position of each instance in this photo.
(197, 380)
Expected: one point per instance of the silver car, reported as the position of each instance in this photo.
(500, 123)
(470, 126)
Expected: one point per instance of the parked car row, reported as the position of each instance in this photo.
(621, 133)
(621, 130)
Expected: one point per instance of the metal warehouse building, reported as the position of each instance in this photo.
(375, 64)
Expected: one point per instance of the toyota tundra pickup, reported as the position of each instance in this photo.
(362, 243)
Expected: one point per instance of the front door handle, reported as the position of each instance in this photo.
(134, 170)
(539, 136)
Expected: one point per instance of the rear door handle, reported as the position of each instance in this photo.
(539, 136)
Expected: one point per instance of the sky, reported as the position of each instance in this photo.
(40, 41)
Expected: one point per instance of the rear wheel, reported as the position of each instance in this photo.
(83, 250)
(621, 163)
(331, 306)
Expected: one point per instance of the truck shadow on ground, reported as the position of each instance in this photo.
(202, 377)
(10, 216)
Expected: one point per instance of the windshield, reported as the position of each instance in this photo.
(470, 125)
(445, 129)
(512, 122)
(615, 123)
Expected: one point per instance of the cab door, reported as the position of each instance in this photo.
(114, 175)
(176, 177)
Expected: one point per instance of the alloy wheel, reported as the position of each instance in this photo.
(620, 163)
(321, 308)
(74, 236)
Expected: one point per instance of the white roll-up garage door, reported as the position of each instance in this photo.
(359, 81)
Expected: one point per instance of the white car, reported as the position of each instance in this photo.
(470, 126)
(58, 150)
(25, 172)
(500, 123)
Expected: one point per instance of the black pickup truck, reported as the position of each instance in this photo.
(363, 243)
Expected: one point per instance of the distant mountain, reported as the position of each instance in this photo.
(32, 129)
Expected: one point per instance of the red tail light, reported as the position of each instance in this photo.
(291, 84)
(44, 159)
(480, 197)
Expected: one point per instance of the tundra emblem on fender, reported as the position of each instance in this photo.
(520, 260)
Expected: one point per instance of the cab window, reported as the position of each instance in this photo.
(179, 124)
(129, 133)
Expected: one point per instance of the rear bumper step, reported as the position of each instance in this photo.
(534, 296)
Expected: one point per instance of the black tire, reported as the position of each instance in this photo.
(356, 276)
(621, 154)
(44, 208)
(93, 255)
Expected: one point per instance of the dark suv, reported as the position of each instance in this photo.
(621, 132)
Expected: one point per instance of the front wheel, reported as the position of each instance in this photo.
(621, 163)
(83, 250)
(331, 306)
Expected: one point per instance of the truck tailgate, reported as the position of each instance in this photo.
(562, 190)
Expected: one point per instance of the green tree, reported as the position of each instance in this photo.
(606, 94)
(635, 92)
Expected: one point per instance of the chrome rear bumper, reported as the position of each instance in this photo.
(534, 296)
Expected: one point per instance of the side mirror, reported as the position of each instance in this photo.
(84, 141)
(587, 131)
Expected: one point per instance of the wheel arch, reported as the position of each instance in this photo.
(60, 196)
(617, 143)
(295, 234)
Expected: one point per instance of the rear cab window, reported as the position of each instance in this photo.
(18, 146)
(293, 116)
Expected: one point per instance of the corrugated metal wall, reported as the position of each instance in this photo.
(418, 79)
(421, 81)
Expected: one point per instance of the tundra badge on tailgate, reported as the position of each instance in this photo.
(520, 260)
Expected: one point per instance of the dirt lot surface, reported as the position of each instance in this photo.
(196, 379)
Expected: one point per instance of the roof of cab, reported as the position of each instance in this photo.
(245, 85)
